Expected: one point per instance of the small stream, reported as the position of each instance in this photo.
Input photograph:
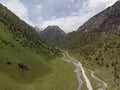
(78, 75)
(77, 72)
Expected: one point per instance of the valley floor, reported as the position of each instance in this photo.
(62, 78)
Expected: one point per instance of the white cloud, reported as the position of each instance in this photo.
(97, 5)
(18, 8)
(38, 8)
(72, 1)
(68, 23)
(76, 19)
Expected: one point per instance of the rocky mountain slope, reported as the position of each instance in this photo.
(108, 19)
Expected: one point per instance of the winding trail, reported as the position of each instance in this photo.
(79, 68)
(104, 83)
(89, 86)
(77, 71)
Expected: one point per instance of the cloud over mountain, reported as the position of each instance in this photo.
(68, 14)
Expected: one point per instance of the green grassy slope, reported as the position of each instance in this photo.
(61, 77)
(27, 62)
(22, 52)
(12, 54)
(24, 34)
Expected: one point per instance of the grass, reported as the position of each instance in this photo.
(95, 83)
(61, 78)
(106, 75)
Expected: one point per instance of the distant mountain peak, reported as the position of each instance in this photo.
(37, 29)
(54, 29)
(53, 35)
(54, 26)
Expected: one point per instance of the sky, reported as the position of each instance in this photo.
(67, 14)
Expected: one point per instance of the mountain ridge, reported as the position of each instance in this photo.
(102, 20)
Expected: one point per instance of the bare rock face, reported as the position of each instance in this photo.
(108, 19)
